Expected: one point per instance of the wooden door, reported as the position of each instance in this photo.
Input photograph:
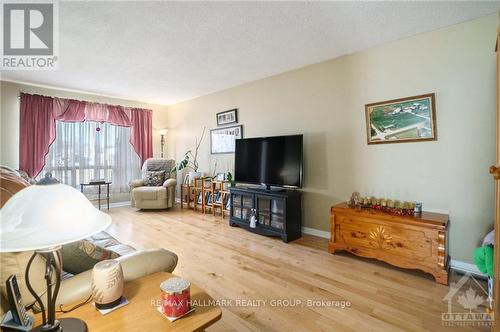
(495, 171)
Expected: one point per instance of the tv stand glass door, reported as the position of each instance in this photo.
(270, 211)
(242, 207)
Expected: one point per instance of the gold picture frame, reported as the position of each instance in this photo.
(410, 119)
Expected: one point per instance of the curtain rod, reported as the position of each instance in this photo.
(85, 101)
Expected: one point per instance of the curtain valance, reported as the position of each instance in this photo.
(38, 126)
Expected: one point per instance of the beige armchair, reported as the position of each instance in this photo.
(161, 197)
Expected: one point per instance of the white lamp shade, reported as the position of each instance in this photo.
(163, 131)
(44, 216)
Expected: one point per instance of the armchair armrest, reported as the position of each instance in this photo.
(136, 183)
(169, 183)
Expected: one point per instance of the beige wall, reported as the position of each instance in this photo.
(9, 119)
(326, 102)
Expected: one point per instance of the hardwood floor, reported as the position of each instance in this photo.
(232, 264)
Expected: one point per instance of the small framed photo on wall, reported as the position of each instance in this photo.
(410, 119)
(227, 117)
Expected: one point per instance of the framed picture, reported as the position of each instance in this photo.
(220, 176)
(408, 119)
(227, 117)
(218, 198)
(222, 140)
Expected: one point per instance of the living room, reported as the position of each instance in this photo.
(248, 150)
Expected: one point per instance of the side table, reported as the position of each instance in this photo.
(98, 184)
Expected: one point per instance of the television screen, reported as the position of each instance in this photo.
(273, 161)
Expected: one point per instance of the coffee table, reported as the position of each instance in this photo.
(141, 313)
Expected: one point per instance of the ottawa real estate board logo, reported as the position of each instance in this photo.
(468, 304)
(30, 35)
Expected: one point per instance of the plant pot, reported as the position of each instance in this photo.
(195, 175)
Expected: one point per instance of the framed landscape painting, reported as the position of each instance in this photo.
(222, 140)
(408, 119)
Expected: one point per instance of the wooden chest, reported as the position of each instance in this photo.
(405, 241)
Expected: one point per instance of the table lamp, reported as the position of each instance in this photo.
(43, 217)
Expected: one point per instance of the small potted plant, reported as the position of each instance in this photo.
(229, 178)
(190, 160)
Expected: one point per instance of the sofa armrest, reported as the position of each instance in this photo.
(169, 183)
(135, 265)
(74, 289)
(136, 183)
(145, 262)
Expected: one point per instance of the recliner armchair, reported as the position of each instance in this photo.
(160, 197)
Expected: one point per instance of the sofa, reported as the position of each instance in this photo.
(78, 260)
(144, 196)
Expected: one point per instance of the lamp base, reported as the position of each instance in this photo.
(65, 325)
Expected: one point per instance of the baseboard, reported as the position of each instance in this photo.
(454, 264)
(119, 204)
(316, 232)
(466, 268)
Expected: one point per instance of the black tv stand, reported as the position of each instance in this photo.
(279, 212)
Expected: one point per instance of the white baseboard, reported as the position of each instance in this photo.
(118, 204)
(467, 268)
(454, 264)
(316, 232)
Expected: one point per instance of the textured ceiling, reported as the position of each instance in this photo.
(166, 52)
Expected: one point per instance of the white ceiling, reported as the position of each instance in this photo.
(166, 52)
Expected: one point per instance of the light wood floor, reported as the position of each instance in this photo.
(233, 264)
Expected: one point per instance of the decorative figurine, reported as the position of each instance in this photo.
(355, 199)
(253, 220)
(400, 208)
(364, 202)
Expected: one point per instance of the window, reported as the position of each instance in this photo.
(84, 151)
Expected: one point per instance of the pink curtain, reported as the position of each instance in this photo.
(38, 126)
(141, 135)
(37, 131)
(69, 110)
(116, 115)
(96, 112)
(119, 116)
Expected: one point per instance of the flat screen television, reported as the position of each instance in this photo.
(272, 161)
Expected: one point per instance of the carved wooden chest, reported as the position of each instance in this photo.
(413, 242)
